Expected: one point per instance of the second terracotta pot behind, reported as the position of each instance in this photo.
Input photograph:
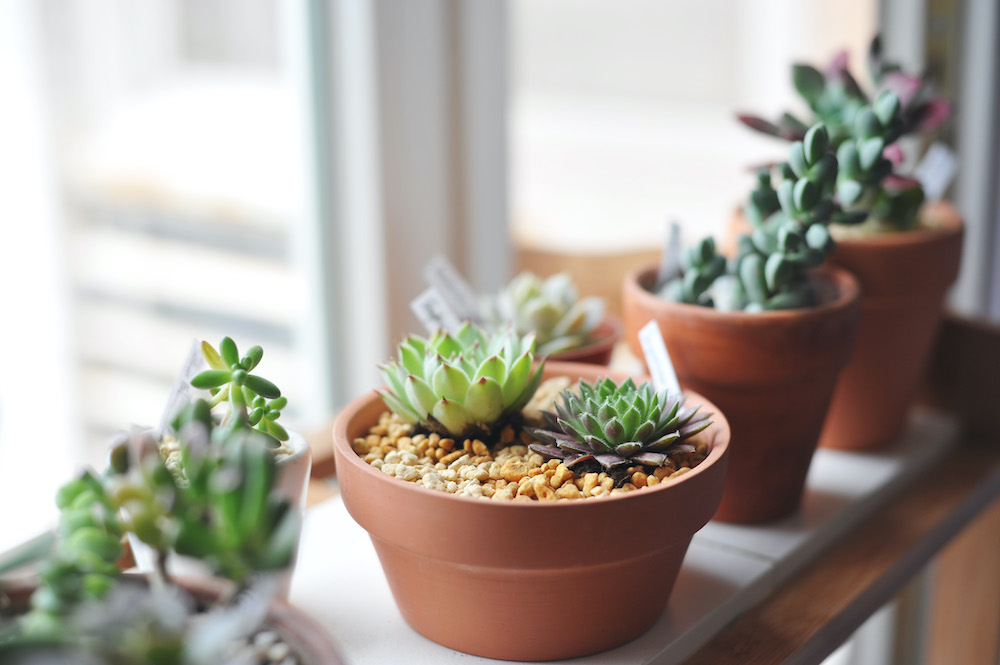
(904, 277)
(772, 374)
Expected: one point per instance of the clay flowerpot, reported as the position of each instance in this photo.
(518, 580)
(598, 351)
(308, 641)
(904, 277)
(292, 483)
(771, 373)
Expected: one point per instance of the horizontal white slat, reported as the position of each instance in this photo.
(118, 335)
(183, 275)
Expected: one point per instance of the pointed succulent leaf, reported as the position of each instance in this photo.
(614, 432)
(212, 356)
(452, 416)
(628, 448)
(809, 82)
(484, 401)
(420, 395)
(450, 382)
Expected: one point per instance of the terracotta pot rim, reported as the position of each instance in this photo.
(347, 455)
(848, 292)
(949, 223)
(610, 328)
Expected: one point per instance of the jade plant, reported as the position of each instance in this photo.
(610, 427)
(550, 308)
(790, 236)
(864, 128)
(462, 384)
(250, 401)
(226, 512)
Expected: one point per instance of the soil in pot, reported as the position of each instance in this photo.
(904, 277)
(518, 579)
(771, 373)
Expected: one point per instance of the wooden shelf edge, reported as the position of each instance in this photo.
(818, 609)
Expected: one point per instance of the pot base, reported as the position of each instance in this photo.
(525, 614)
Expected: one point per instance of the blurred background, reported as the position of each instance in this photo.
(281, 170)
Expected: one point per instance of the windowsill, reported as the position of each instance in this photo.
(728, 568)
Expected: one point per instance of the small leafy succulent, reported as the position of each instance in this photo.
(701, 265)
(835, 97)
(253, 401)
(789, 237)
(790, 233)
(863, 131)
(225, 512)
(611, 427)
(462, 384)
(549, 308)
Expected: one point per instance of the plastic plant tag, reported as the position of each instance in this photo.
(434, 311)
(182, 391)
(936, 170)
(670, 260)
(661, 369)
(460, 297)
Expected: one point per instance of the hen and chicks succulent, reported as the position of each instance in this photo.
(610, 427)
(550, 308)
(465, 384)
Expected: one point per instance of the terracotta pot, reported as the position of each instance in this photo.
(308, 640)
(597, 352)
(292, 483)
(772, 374)
(904, 277)
(519, 581)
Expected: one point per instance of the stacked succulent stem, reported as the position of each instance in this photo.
(866, 126)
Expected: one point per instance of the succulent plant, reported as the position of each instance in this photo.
(790, 233)
(611, 427)
(549, 308)
(701, 265)
(253, 401)
(225, 512)
(789, 236)
(461, 384)
(863, 130)
(835, 97)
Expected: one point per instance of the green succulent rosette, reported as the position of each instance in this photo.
(610, 426)
(462, 384)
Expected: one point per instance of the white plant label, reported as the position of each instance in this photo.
(936, 170)
(182, 391)
(670, 259)
(458, 295)
(434, 311)
(661, 369)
